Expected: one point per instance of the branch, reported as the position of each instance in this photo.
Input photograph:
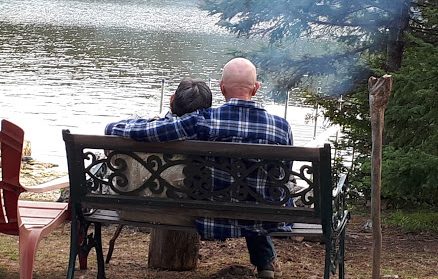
(417, 4)
(342, 24)
(425, 30)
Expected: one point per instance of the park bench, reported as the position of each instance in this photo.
(322, 211)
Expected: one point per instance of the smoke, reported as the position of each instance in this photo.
(331, 40)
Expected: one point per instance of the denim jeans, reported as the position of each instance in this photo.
(261, 250)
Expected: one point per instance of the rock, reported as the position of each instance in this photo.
(27, 149)
(367, 226)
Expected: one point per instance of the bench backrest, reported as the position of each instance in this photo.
(200, 161)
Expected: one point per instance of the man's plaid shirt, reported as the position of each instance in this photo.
(235, 121)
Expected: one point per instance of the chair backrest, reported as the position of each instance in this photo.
(11, 143)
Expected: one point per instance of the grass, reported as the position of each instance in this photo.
(8, 250)
(420, 221)
(2, 272)
(414, 221)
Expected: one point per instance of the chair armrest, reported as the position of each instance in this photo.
(55, 184)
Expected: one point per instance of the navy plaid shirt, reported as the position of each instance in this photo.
(235, 121)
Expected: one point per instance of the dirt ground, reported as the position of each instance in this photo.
(405, 255)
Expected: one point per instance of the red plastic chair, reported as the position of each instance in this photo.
(30, 220)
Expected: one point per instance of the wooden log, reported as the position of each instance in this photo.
(379, 92)
(173, 250)
(168, 249)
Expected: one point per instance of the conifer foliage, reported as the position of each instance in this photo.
(356, 39)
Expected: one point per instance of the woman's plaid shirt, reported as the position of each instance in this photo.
(235, 121)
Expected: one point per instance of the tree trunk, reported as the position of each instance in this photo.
(379, 90)
(396, 41)
(173, 250)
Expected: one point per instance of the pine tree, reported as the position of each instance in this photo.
(347, 30)
(356, 39)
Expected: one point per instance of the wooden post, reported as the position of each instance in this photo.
(379, 91)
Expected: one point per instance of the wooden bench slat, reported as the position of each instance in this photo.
(202, 208)
(112, 216)
(233, 213)
(195, 147)
(307, 226)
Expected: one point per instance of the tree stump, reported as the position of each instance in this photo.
(173, 250)
(168, 249)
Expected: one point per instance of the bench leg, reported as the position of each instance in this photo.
(342, 254)
(99, 252)
(112, 243)
(86, 243)
(327, 265)
(74, 244)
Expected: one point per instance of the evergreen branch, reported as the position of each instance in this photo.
(425, 30)
(343, 24)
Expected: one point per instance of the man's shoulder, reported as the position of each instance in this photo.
(277, 118)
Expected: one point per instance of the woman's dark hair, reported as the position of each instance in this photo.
(191, 95)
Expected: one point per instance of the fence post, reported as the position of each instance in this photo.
(287, 104)
(162, 95)
(318, 92)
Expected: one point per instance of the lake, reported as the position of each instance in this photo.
(72, 64)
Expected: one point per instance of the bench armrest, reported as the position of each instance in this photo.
(341, 214)
(341, 186)
(55, 184)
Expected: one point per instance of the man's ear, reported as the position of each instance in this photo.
(257, 85)
(221, 84)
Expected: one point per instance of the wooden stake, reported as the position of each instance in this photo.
(379, 91)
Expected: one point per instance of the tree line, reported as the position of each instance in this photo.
(356, 39)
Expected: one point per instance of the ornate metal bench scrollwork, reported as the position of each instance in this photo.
(196, 174)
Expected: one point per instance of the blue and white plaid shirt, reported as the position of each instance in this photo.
(235, 121)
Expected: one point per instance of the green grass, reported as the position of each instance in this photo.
(414, 221)
(2, 272)
(9, 248)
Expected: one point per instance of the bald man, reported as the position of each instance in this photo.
(239, 80)
(238, 120)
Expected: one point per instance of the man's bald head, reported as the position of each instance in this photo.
(239, 79)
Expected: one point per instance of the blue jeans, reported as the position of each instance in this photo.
(261, 250)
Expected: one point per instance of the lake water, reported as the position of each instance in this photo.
(77, 64)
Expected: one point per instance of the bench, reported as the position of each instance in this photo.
(321, 212)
